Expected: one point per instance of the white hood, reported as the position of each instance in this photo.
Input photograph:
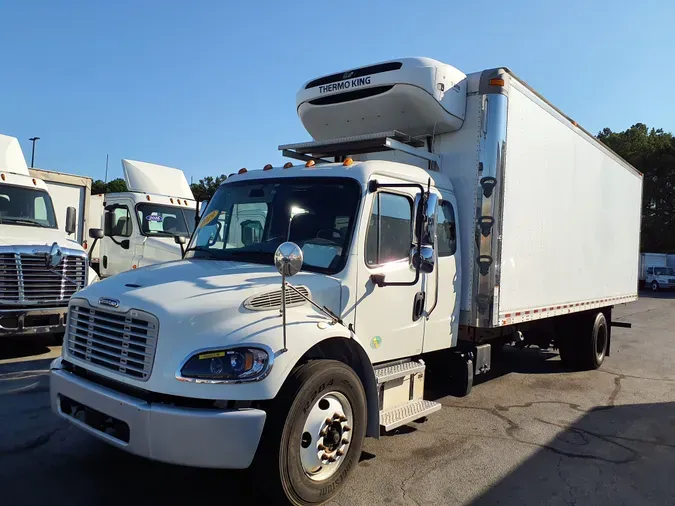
(17, 235)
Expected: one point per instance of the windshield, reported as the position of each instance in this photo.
(664, 271)
(165, 221)
(26, 206)
(247, 221)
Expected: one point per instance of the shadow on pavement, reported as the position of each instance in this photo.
(19, 347)
(648, 294)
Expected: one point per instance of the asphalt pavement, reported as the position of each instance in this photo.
(530, 433)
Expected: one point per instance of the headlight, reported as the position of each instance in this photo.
(244, 364)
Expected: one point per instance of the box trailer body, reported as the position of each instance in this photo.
(435, 215)
(68, 190)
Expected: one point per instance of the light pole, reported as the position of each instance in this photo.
(32, 158)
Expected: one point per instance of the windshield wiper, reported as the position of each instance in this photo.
(23, 221)
(202, 249)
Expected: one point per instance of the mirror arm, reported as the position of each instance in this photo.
(91, 249)
(324, 309)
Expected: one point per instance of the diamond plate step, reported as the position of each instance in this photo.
(391, 372)
(401, 415)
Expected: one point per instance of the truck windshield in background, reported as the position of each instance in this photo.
(664, 271)
(165, 221)
(26, 206)
(247, 221)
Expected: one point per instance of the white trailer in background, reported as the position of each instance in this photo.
(139, 225)
(42, 263)
(437, 214)
(69, 190)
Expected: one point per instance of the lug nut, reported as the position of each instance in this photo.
(343, 418)
(323, 432)
(346, 428)
(324, 456)
(337, 416)
(329, 421)
(331, 459)
(345, 441)
(339, 453)
(321, 447)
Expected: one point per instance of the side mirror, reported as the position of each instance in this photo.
(125, 244)
(108, 219)
(96, 233)
(54, 257)
(71, 220)
(288, 259)
(180, 240)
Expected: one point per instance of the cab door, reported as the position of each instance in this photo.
(443, 285)
(117, 246)
(388, 318)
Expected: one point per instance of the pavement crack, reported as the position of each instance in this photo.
(37, 442)
(404, 484)
(630, 376)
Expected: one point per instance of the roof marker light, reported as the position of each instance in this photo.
(496, 82)
(34, 182)
(171, 199)
(147, 197)
(288, 165)
(268, 167)
(348, 162)
(2, 176)
(242, 171)
(310, 163)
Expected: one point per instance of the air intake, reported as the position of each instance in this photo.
(272, 300)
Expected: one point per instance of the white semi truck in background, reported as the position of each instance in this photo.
(657, 271)
(136, 228)
(34, 294)
(436, 215)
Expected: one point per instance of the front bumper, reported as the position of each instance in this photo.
(213, 438)
(28, 321)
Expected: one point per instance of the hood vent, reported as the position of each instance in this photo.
(272, 300)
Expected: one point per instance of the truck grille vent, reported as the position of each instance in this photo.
(351, 74)
(272, 300)
(25, 278)
(121, 342)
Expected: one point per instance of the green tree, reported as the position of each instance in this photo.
(116, 185)
(207, 186)
(652, 152)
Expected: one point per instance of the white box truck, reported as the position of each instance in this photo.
(137, 227)
(435, 214)
(42, 264)
(657, 272)
(69, 190)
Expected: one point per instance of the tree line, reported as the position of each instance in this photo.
(650, 150)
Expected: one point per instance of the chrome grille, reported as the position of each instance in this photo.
(272, 300)
(26, 278)
(121, 342)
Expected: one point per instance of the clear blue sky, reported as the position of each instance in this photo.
(209, 86)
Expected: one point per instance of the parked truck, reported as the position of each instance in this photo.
(435, 214)
(42, 264)
(657, 271)
(69, 190)
(137, 227)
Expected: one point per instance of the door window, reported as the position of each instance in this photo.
(122, 225)
(650, 270)
(389, 235)
(446, 230)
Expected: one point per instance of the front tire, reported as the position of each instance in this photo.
(655, 286)
(314, 433)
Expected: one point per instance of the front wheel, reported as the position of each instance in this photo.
(655, 286)
(314, 432)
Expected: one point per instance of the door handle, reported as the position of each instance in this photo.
(418, 306)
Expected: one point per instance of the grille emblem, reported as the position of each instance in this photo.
(105, 301)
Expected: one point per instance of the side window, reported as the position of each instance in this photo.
(650, 270)
(122, 225)
(446, 230)
(389, 235)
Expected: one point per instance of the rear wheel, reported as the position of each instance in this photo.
(314, 433)
(585, 343)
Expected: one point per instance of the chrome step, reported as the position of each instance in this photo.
(392, 372)
(407, 413)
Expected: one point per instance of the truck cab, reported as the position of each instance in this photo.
(34, 295)
(140, 225)
(660, 278)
